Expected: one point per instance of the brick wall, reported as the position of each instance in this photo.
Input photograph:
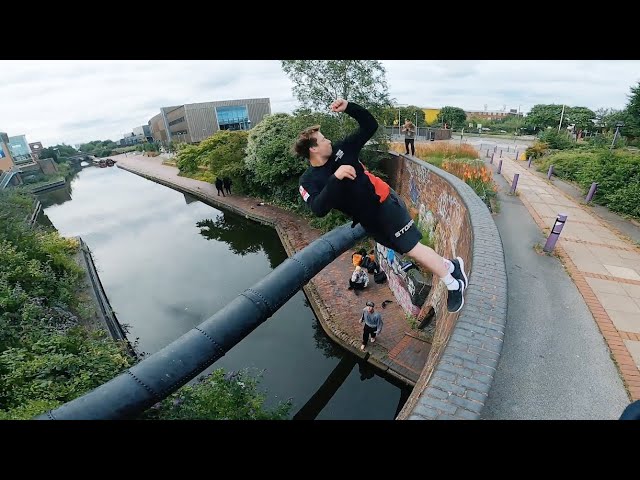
(466, 345)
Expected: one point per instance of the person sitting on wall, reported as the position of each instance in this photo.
(359, 279)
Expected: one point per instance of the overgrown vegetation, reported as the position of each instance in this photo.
(617, 173)
(475, 174)
(460, 160)
(47, 355)
(436, 153)
(219, 396)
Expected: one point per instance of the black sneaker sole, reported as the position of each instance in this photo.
(462, 298)
(464, 275)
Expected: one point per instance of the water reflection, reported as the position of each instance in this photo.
(189, 198)
(243, 237)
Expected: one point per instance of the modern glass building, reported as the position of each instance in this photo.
(19, 148)
(233, 118)
(192, 123)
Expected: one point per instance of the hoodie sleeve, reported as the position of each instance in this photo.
(319, 200)
(367, 125)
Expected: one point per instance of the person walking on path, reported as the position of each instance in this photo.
(219, 186)
(226, 182)
(372, 321)
(337, 179)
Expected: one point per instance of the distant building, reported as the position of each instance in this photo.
(20, 150)
(6, 160)
(192, 123)
(489, 114)
(142, 134)
(36, 148)
(430, 115)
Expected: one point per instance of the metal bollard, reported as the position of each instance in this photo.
(514, 184)
(490, 161)
(500, 153)
(500, 166)
(529, 164)
(516, 155)
(592, 192)
(550, 172)
(555, 232)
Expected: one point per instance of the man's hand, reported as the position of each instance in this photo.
(345, 171)
(339, 105)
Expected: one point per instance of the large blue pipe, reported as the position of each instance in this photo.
(164, 372)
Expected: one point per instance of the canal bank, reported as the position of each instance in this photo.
(399, 351)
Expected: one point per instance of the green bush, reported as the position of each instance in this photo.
(567, 164)
(537, 150)
(617, 173)
(219, 396)
(613, 170)
(58, 367)
(187, 159)
(223, 150)
(273, 168)
(557, 140)
(46, 356)
(626, 199)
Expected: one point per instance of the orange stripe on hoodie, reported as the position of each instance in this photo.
(381, 187)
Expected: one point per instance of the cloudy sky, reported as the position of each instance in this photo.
(74, 102)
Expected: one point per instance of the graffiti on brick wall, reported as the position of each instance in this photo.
(451, 215)
(405, 281)
(418, 175)
(413, 191)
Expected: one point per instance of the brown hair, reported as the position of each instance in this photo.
(305, 141)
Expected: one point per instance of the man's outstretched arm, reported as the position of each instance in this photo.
(367, 124)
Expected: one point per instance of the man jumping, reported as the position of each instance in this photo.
(337, 179)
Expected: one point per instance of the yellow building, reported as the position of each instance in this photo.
(430, 114)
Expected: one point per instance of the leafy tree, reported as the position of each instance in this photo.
(187, 158)
(49, 153)
(454, 117)
(632, 118)
(224, 149)
(542, 116)
(581, 117)
(602, 116)
(270, 162)
(389, 115)
(317, 83)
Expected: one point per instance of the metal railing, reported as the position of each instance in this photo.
(164, 372)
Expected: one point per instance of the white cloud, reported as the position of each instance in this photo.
(78, 101)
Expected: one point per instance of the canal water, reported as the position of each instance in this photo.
(168, 262)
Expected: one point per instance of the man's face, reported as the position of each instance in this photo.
(324, 145)
(370, 309)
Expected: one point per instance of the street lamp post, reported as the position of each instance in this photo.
(615, 135)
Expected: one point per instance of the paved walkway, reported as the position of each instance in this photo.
(399, 349)
(603, 263)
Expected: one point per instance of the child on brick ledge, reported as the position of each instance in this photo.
(372, 324)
